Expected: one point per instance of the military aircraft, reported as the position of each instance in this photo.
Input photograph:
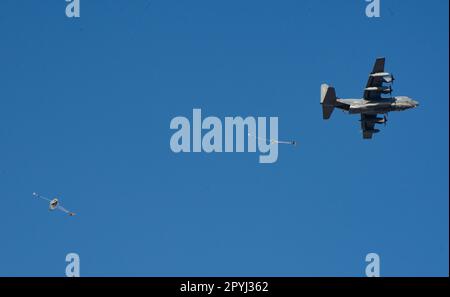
(372, 104)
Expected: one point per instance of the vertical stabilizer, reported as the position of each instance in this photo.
(328, 100)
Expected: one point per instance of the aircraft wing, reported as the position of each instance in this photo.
(368, 125)
(375, 82)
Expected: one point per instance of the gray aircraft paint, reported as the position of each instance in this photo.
(372, 102)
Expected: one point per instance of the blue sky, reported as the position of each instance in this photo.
(85, 107)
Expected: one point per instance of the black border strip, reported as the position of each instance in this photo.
(276, 286)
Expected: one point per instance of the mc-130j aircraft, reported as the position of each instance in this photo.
(372, 104)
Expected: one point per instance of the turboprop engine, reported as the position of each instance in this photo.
(386, 76)
(373, 131)
(379, 120)
(376, 120)
(383, 90)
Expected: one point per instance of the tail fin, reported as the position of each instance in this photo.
(328, 100)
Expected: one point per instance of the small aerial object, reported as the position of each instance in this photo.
(54, 204)
(372, 104)
(294, 143)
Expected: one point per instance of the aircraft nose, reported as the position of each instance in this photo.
(416, 103)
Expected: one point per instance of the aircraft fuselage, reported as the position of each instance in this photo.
(382, 106)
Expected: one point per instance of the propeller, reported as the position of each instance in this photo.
(392, 81)
(385, 119)
(391, 85)
(389, 80)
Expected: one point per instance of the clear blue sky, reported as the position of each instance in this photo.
(85, 107)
